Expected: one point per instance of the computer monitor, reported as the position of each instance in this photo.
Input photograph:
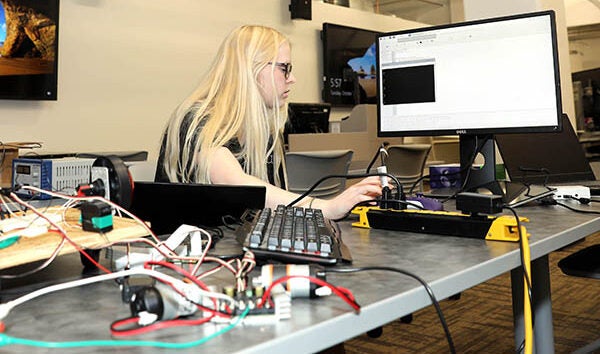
(307, 118)
(473, 79)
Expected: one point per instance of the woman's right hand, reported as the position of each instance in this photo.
(336, 208)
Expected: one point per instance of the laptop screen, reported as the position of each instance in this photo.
(168, 205)
(536, 158)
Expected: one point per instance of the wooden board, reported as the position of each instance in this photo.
(27, 249)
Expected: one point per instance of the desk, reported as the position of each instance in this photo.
(450, 265)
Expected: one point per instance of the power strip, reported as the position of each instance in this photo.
(570, 192)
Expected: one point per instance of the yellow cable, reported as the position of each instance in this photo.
(527, 318)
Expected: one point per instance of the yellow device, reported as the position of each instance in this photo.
(501, 228)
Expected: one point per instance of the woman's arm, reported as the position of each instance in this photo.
(225, 169)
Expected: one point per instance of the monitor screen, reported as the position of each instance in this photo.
(488, 76)
(308, 118)
(348, 65)
(29, 49)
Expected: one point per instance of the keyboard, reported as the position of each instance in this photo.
(292, 235)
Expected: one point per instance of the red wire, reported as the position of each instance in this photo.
(152, 327)
(343, 293)
(64, 235)
(347, 292)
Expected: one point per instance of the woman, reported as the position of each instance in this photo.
(229, 131)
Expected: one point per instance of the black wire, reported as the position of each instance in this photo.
(521, 347)
(351, 176)
(577, 210)
(581, 200)
(434, 301)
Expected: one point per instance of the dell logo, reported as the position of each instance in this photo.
(461, 131)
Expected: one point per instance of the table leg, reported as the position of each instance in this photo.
(541, 308)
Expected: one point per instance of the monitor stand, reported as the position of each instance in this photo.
(479, 177)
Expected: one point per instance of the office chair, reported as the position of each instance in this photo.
(583, 263)
(407, 162)
(305, 168)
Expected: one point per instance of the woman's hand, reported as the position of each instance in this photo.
(336, 208)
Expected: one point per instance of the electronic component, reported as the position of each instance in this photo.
(116, 178)
(62, 175)
(277, 307)
(160, 302)
(178, 241)
(95, 188)
(570, 192)
(292, 235)
(96, 216)
(475, 203)
(296, 286)
(163, 302)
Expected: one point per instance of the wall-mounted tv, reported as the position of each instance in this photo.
(349, 65)
(28, 49)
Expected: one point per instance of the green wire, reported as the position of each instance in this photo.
(9, 241)
(6, 340)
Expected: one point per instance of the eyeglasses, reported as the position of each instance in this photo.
(285, 67)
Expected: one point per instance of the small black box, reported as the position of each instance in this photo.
(475, 203)
(96, 216)
(301, 9)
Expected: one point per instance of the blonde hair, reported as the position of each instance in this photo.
(229, 104)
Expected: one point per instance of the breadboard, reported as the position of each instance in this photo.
(27, 250)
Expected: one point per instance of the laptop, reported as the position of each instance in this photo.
(547, 158)
(168, 205)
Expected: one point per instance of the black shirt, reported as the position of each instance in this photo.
(233, 145)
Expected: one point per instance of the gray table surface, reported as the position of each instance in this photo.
(449, 264)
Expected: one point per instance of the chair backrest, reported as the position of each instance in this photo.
(407, 162)
(305, 168)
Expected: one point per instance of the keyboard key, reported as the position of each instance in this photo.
(325, 244)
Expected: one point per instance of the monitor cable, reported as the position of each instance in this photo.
(399, 193)
(554, 202)
(376, 155)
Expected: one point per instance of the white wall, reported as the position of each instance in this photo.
(124, 66)
(582, 12)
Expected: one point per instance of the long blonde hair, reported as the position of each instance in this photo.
(229, 104)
